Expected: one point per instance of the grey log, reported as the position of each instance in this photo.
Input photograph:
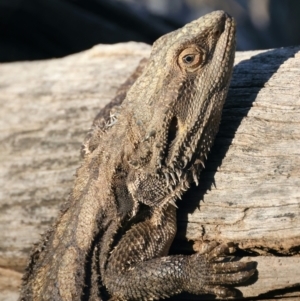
(249, 192)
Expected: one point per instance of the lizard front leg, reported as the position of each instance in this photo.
(142, 271)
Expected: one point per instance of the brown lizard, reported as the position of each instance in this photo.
(112, 238)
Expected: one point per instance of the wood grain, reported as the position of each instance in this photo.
(249, 192)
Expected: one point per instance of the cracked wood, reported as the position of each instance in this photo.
(46, 152)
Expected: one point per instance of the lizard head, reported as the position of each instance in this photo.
(177, 103)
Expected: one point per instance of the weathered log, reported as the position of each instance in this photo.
(249, 192)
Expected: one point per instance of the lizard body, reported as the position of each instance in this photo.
(112, 237)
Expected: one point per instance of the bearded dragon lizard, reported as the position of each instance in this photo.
(112, 238)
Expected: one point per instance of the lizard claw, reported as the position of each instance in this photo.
(219, 274)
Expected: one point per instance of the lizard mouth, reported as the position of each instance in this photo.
(171, 136)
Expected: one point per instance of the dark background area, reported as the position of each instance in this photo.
(40, 29)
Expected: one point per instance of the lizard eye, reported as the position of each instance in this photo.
(190, 58)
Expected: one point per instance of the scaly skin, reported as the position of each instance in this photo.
(112, 238)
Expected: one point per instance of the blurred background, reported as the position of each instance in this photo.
(40, 29)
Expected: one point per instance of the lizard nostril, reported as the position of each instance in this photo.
(217, 33)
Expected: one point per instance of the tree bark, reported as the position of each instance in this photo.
(249, 192)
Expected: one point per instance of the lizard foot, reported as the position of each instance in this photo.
(211, 272)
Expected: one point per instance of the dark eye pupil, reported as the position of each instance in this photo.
(188, 59)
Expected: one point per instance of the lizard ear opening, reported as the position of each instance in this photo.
(172, 133)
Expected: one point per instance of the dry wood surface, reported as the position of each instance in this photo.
(249, 192)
